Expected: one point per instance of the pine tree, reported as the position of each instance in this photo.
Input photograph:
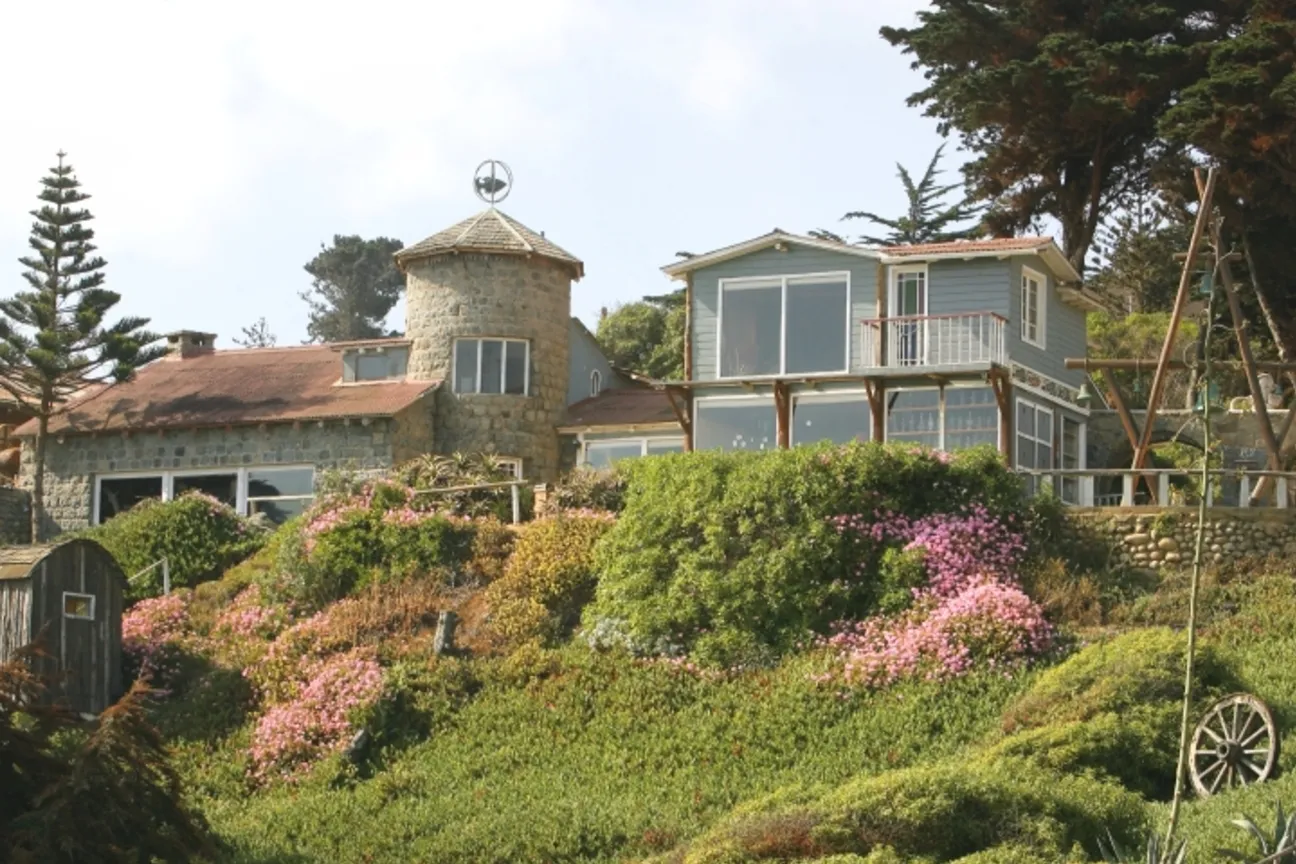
(355, 284)
(53, 341)
(928, 219)
(258, 335)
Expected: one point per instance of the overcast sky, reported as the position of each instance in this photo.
(223, 142)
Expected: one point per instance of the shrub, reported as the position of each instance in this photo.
(739, 548)
(549, 579)
(587, 489)
(153, 632)
(492, 544)
(199, 536)
(464, 469)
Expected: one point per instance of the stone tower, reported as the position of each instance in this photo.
(488, 306)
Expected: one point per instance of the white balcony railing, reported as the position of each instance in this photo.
(1122, 487)
(964, 339)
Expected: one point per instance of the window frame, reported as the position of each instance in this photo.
(1040, 339)
(782, 279)
(596, 383)
(80, 595)
(504, 340)
(642, 440)
(512, 464)
(1071, 485)
(752, 398)
(242, 503)
(893, 298)
(1036, 480)
(834, 396)
(941, 408)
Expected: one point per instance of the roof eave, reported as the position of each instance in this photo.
(679, 269)
(662, 426)
(406, 256)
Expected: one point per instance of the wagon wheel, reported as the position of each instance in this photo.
(1236, 744)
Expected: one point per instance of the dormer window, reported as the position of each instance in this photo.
(374, 363)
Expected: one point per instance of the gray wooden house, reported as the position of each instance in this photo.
(69, 595)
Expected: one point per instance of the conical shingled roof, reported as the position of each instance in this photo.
(492, 232)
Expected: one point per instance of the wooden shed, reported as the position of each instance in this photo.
(70, 594)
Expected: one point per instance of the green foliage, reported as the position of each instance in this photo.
(646, 336)
(899, 572)
(549, 579)
(354, 284)
(588, 489)
(464, 469)
(199, 536)
(1135, 266)
(1114, 853)
(929, 218)
(1271, 843)
(725, 554)
(1140, 334)
(106, 795)
(54, 341)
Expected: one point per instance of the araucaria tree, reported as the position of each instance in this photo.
(53, 339)
(355, 285)
(1058, 101)
(929, 217)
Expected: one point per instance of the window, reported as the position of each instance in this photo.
(971, 418)
(510, 465)
(383, 365)
(784, 325)
(116, 495)
(79, 606)
(280, 493)
(735, 424)
(1034, 441)
(1033, 299)
(1070, 459)
(909, 300)
(492, 366)
(601, 454)
(596, 382)
(836, 418)
(914, 415)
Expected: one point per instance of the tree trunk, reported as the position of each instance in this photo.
(38, 476)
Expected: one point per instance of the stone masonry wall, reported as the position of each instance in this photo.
(71, 465)
(454, 296)
(1152, 538)
(15, 515)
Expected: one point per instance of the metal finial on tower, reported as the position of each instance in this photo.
(492, 181)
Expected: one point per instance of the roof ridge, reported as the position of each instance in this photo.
(506, 221)
(471, 225)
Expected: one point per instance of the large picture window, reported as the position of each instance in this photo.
(784, 326)
(836, 418)
(1034, 440)
(914, 415)
(280, 492)
(956, 418)
(735, 424)
(601, 454)
(492, 366)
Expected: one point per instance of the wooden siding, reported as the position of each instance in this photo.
(15, 616)
(82, 658)
(586, 356)
(968, 286)
(1064, 329)
(771, 262)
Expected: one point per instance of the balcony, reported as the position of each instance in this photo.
(966, 339)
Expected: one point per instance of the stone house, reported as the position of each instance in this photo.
(490, 361)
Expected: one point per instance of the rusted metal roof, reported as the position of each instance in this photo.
(16, 562)
(239, 387)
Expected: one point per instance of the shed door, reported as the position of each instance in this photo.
(81, 627)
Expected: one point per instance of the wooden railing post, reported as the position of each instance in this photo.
(1127, 489)
(1244, 490)
(1163, 490)
(1282, 493)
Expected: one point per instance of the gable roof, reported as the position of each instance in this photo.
(998, 247)
(620, 408)
(240, 387)
(774, 238)
(493, 232)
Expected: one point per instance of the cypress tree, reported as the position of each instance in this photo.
(53, 340)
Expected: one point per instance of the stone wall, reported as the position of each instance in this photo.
(412, 430)
(15, 515)
(74, 462)
(1152, 537)
(472, 295)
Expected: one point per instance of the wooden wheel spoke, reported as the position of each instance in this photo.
(1254, 735)
(1223, 725)
(1235, 745)
(1233, 730)
(1216, 782)
(1246, 727)
(1211, 732)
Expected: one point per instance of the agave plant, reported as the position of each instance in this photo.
(1276, 848)
(1114, 853)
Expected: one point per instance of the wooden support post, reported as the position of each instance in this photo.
(876, 390)
(1244, 491)
(1002, 386)
(1127, 490)
(682, 416)
(1282, 493)
(1163, 489)
(1122, 411)
(1176, 315)
(782, 415)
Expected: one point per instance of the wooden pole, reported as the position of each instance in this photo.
(1181, 300)
(1122, 411)
(782, 415)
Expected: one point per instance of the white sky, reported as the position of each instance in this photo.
(223, 143)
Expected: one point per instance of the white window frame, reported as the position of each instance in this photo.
(829, 398)
(893, 298)
(1036, 480)
(842, 275)
(477, 376)
(169, 476)
(1041, 307)
(1077, 483)
(83, 596)
(511, 464)
(642, 441)
(596, 383)
(754, 397)
(940, 410)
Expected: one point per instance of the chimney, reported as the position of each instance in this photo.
(183, 344)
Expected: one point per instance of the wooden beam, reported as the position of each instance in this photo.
(1122, 410)
(681, 415)
(782, 415)
(876, 390)
(1002, 386)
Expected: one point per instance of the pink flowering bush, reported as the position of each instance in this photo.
(154, 633)
(323, 713)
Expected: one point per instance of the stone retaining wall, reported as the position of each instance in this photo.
(1156, 537)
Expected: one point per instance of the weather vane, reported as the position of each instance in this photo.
(493, 181)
